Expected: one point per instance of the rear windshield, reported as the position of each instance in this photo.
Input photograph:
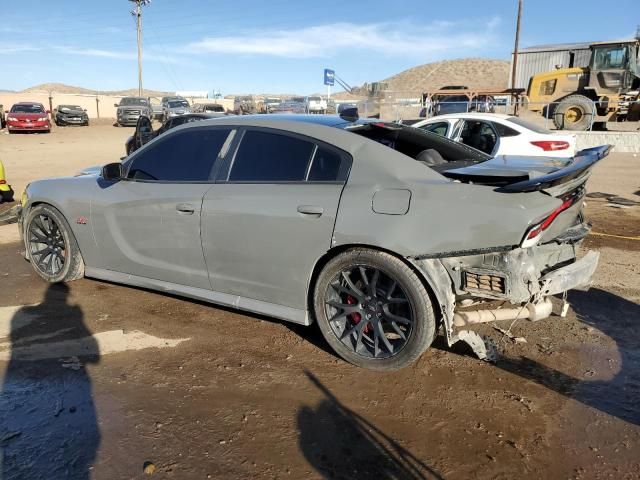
(528, 125)
(30, 108)
(413, 142)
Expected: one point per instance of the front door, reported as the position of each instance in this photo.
(148, 224)
(267, 223)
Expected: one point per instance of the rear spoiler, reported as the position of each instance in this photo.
(583, 161)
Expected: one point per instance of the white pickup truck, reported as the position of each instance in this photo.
(316, 104)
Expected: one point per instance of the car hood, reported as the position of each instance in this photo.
(520, 173)
(25, 116)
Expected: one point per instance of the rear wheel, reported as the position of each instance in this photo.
(373, 310)
(574, 112)
(51, 246)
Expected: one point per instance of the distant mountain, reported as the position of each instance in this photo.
(472, 72)
(62, 88)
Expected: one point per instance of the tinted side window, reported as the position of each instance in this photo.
(186, 156)
(504, 131)
(325, 166)
(271, 157)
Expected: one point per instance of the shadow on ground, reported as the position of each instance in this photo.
(617, 318)
(340, 444)
(48, 425)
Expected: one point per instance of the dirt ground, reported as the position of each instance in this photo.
(100, 380)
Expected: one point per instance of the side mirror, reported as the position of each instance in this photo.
(115, 105)
(113, 171)
(48, 112)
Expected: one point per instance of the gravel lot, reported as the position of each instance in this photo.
(100, 381)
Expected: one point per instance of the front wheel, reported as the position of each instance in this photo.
(51, 246)
(373, 310)
(574, 112)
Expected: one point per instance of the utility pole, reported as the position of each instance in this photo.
(137, 12)
(514, 64)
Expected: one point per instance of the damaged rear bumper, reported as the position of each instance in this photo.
(522, 277)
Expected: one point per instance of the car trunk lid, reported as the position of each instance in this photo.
(563, 179)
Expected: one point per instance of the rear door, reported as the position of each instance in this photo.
(480, 135)
(271, 215)
(149, 224)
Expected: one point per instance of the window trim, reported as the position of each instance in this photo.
(346, 159)
(166, 136)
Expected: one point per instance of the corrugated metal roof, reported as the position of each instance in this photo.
(556, 47)
(570, 46)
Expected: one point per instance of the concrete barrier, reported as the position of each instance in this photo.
(622, 141)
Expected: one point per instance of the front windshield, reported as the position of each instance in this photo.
(133, 101)
(64, 108)
(28, 108)
(178, 104)
(610, 57)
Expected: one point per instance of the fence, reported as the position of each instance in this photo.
(397, 106)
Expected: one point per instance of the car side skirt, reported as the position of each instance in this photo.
(281, 312)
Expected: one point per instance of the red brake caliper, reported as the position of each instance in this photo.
(356, 316)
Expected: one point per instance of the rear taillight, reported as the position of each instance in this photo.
(551, 145)
(535, 232)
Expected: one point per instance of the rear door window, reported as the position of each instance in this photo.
(439, 128)
(185, 156)
(271, 157)
(326, 166)
(479, 135)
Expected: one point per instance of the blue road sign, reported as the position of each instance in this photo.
(329, 76)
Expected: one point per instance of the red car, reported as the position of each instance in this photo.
(28, 116)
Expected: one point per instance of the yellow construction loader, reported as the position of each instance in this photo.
(606, 90)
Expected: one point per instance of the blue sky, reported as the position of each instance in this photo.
(277, 45)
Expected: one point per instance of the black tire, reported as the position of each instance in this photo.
(574, 112)
(394, 276)
(47, 229)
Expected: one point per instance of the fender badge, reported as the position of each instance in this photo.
(81, 220)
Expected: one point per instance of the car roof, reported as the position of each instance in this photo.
(27, 103)
(327, 128)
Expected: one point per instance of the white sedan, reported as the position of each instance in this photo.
(499, 134)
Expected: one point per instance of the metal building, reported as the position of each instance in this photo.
(544, 58)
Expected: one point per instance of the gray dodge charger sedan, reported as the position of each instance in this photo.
(381, 233)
